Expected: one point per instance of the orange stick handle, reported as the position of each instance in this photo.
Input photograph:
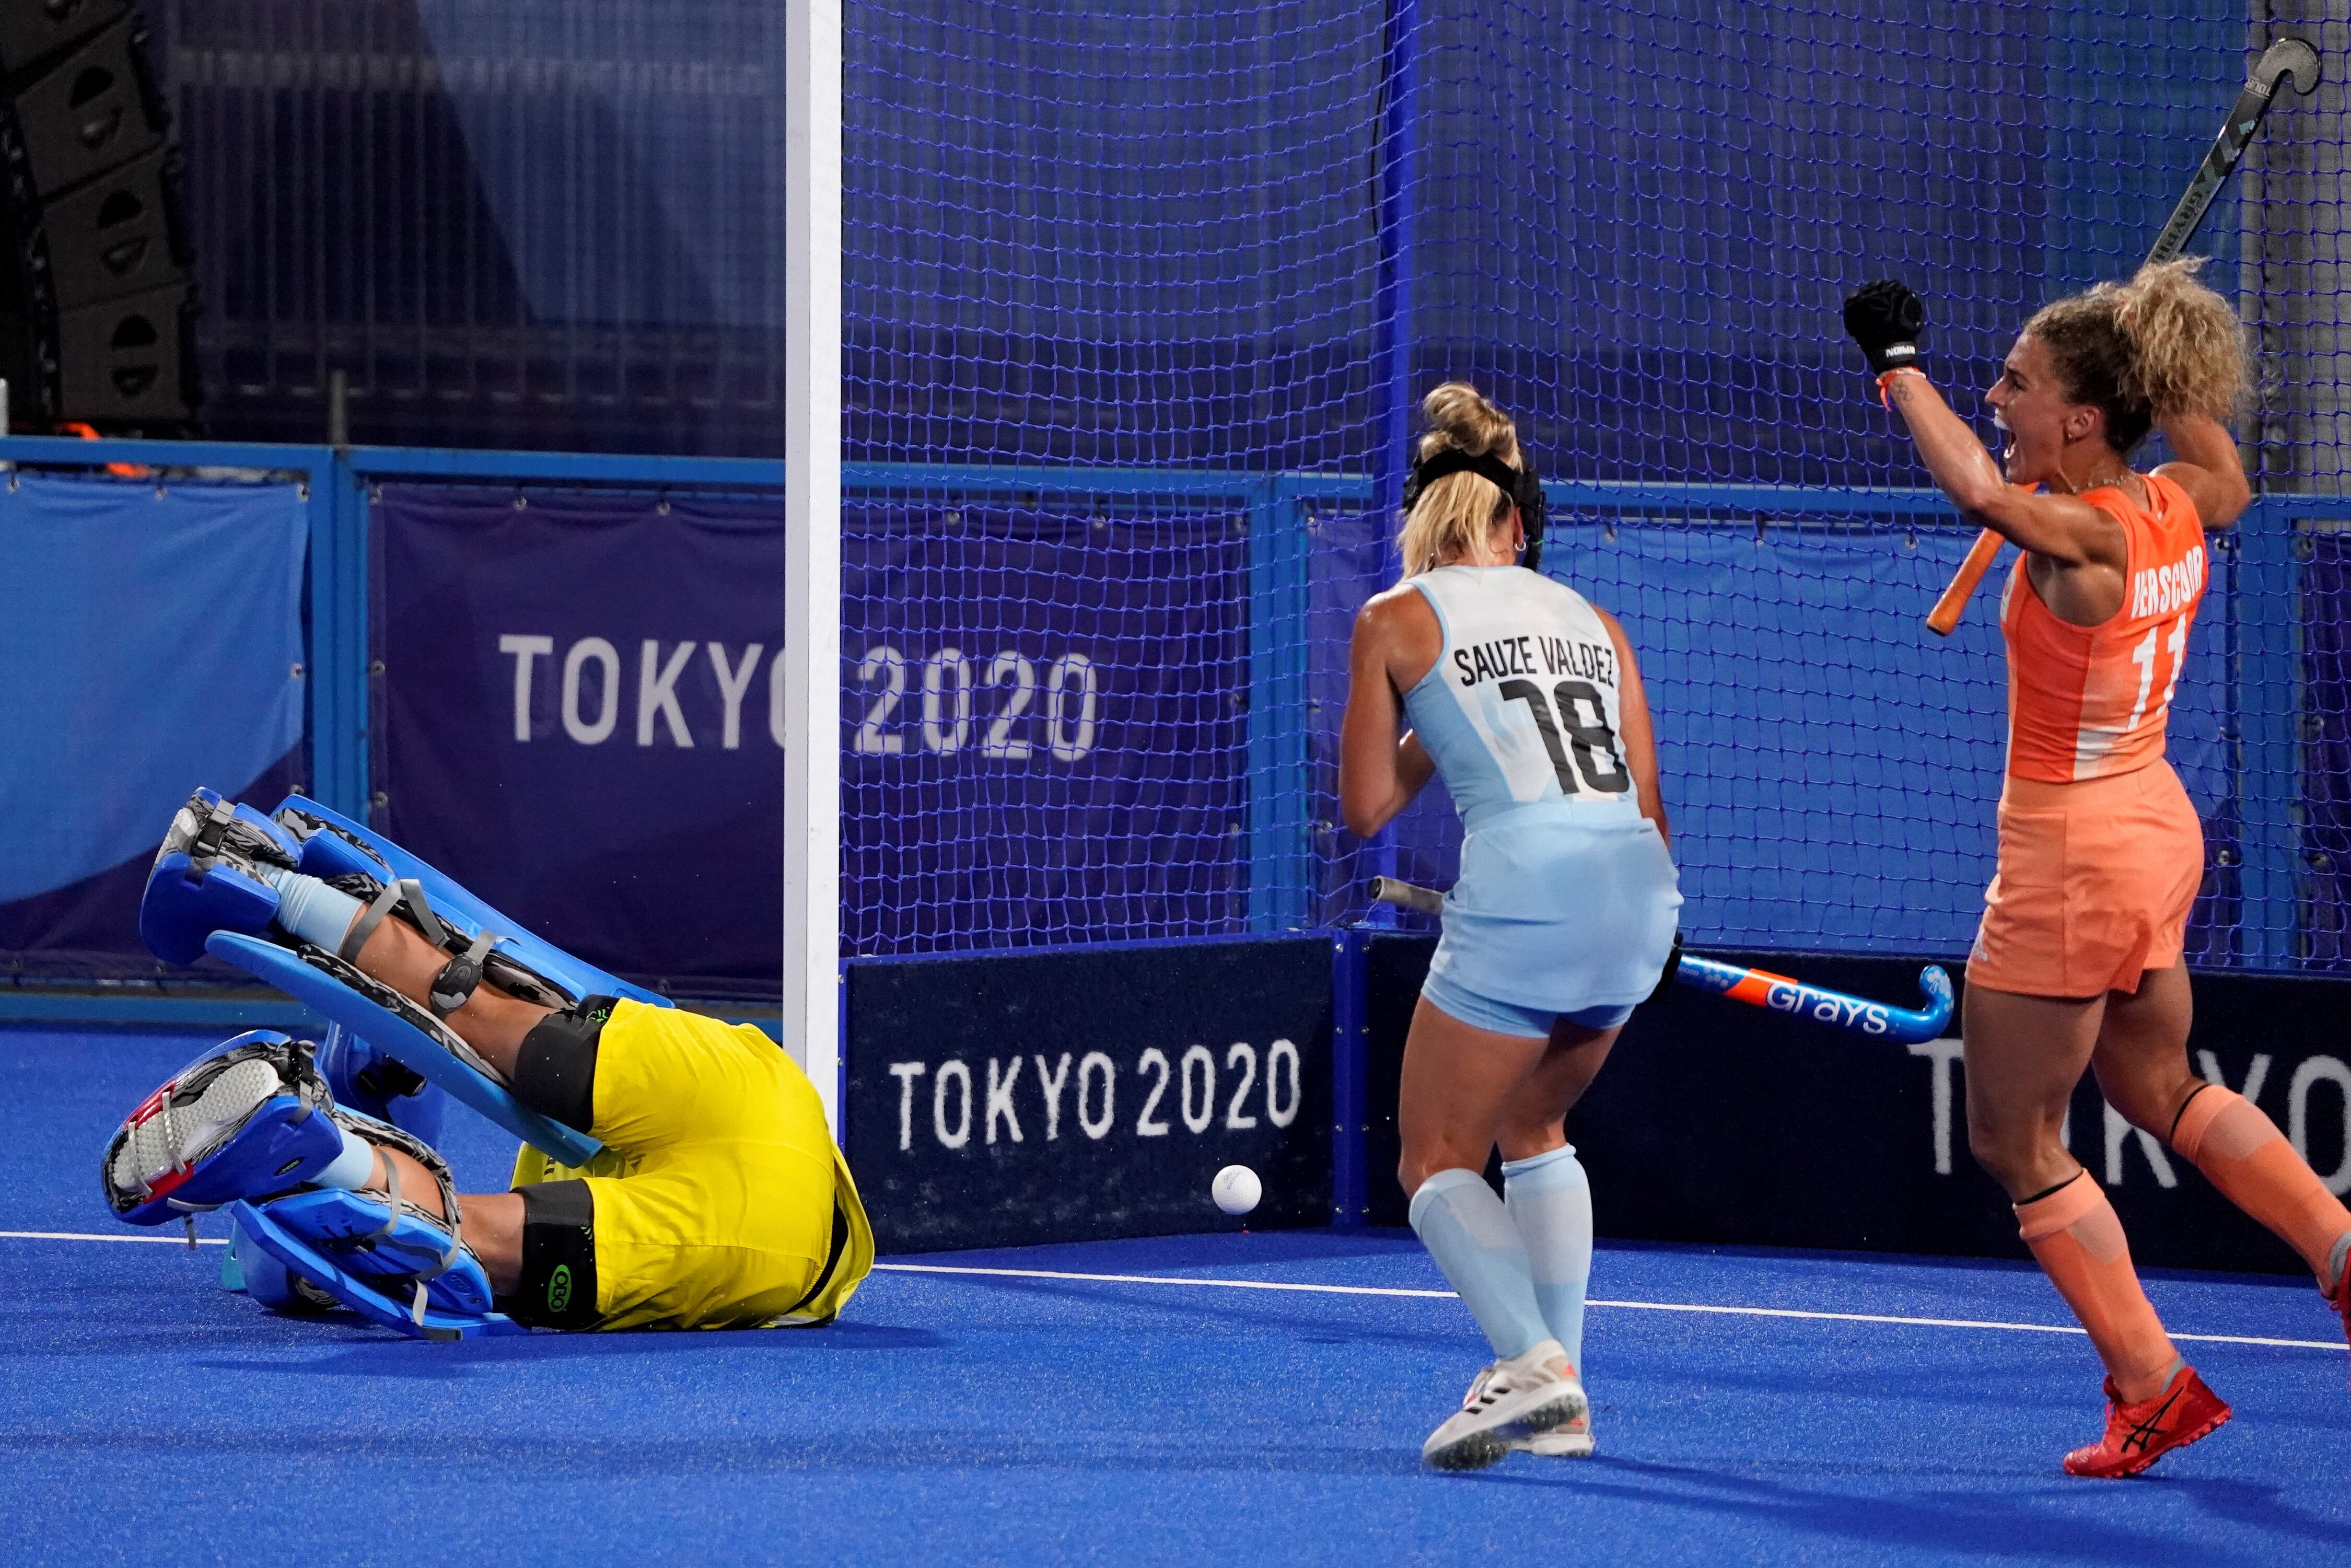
(1954, 602)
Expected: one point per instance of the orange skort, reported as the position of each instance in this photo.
(2095, 884)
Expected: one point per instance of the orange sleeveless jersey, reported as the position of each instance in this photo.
(2090, 702)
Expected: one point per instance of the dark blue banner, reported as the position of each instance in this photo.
(1009, 1100)
(581, 712)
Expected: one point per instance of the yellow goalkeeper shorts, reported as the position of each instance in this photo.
(719, 1199)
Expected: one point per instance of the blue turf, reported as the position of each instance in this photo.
(149, 1416)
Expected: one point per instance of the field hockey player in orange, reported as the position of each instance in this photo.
(2079, 960)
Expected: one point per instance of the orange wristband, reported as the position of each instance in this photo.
(1887, 377)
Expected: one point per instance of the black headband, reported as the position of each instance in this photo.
(1453, 460)
(1523, 487)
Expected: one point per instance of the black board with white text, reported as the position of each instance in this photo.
(1007, 1100)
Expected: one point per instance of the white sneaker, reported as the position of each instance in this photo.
(1568, 1441)
(1508, 1401)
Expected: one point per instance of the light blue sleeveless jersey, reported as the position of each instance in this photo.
(1567, 898)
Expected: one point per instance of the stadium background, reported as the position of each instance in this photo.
(1139, 301)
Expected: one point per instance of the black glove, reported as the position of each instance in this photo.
(1886, 318)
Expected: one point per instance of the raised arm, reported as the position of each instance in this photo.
(2059, 529)
(2206, 466)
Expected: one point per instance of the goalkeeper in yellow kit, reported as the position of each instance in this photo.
(678, 1171)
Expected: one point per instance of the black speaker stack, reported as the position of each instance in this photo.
(98, 315)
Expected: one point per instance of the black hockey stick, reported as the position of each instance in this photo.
(2289, 60)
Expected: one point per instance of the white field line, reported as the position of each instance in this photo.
(181, 1240)
(1636, 1306)
(174, 1239)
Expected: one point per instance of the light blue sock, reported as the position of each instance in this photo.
(310, 910)
(2337, 1258)
(1550, 1200)
(1469, 1232)
(353, 1167)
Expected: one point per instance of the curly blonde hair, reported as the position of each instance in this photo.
(1456, 513)
(2159, 347)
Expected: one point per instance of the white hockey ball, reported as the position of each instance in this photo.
(1236, 1189)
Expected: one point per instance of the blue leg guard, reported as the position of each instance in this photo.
(251, 1126)
(334, 846)
(267, 1281)
(388, 1237)
(206, 876)
(250, 1118)
(376, 1084)
(208, 895)
(395, 1261)
(371, 1237)
(334, 1274)
(404, 1030)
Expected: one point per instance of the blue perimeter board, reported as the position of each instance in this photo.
(146, 1415)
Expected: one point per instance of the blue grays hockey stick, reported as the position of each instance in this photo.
(1761, 987)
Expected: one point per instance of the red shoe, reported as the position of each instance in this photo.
(2139, 1435)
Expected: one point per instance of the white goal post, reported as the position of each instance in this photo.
(811, 1012)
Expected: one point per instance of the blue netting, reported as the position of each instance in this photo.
(1112, 233)
(1044, 738)
(1145, 247)
(1144, 234)
(1181, 240)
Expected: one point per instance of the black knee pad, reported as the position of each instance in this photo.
(559, 1258)
(555, 1070)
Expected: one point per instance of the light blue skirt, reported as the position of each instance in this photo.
(1558, 915)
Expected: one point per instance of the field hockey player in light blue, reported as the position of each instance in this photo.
(1527, 700)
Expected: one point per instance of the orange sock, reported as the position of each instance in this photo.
(2079, 1244)
(2241, 1151)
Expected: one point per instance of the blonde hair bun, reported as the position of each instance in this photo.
(2187, 349)
(1456, 513)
